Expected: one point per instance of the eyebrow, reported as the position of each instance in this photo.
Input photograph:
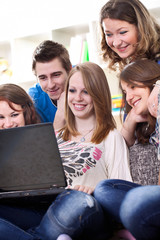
(53, 73)
(119, 29)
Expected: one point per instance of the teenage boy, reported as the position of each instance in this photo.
(51, 65)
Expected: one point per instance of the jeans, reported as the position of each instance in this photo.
(140, 212)
(110, 194)
(73, 212)
(9, 231)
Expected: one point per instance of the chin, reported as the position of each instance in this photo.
(123, 56)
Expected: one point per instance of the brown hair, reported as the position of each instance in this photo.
(12, 93)
(141, 73)
(49, 50)
(97, 87)
(148, 45)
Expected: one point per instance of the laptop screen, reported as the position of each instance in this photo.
(30, 159)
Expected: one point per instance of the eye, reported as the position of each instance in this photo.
(132, 87)
(108, 34)
(15, 114)
(85, 91)
(1, 117)
(123, 32)
(56, 74)
(42, 78)
(71, 90)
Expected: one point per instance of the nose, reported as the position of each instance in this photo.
(8, 123)
(78, 96)
(51, 83)
(129, 96)
(116, 41)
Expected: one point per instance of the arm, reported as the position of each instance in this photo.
(117, 157)
(59, 120)
(153, 100)
(129, 126)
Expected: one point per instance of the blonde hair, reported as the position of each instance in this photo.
(97, 87)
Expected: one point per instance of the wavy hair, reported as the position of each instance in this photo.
(97, 87)
(12, 93)
(133, 12)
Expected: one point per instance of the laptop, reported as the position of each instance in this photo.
(30, 162)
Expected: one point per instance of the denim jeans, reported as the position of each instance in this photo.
(140, 212)
(74, 213)
(23, 215)
(9, 231)
(110, 194)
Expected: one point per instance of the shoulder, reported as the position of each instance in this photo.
(35, 91)
(114, 134)
(114, 139)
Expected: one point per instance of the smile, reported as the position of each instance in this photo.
(136, 102)
(122, 49)
(53, 91)
(79, 107)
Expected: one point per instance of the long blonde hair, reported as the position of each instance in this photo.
(97, 87)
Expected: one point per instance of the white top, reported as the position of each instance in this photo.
(88, 163)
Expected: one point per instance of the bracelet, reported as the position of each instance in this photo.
(157, 84)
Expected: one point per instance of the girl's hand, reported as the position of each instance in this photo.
(137, 118)
(85, 189)
(153, 101)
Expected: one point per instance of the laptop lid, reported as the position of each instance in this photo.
(30, 162)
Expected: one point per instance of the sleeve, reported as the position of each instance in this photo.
(43, 105)
(117, 156)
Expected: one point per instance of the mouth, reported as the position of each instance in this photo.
(136, 102)
(53, 91)
(79, 107)
(122, 49)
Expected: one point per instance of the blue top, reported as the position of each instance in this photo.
(43, 104)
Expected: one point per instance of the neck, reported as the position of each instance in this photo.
(83, 125)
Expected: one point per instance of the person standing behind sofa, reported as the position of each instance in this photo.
(128, 32)
(51, 66)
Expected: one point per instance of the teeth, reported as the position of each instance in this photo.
(79, 106)
(136, 103)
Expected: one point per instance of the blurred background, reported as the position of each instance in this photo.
(24, 24)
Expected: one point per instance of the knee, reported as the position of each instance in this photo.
(102, 186)
(135, 202)
(106, 188)
(73, 206)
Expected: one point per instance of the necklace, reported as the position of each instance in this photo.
(83, 137)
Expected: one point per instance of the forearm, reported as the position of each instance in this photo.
(128, 131)
(59, 120)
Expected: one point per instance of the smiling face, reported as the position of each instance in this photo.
(121, 36)
(136, 97)
(79, 101)
(10, 118)
(52, 77)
